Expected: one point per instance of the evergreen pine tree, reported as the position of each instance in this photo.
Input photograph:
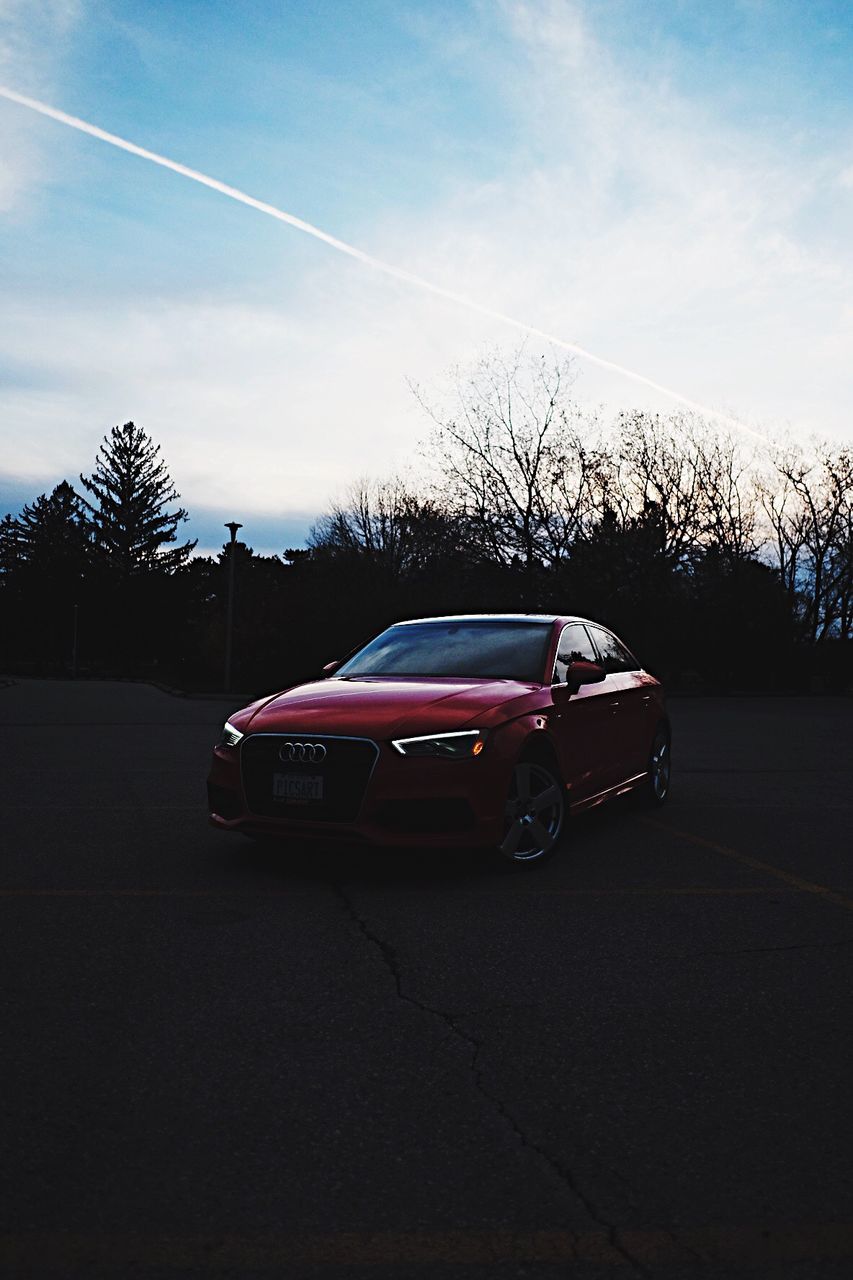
(53, 534)
(45, 566)
(132, 528)
(11, 555)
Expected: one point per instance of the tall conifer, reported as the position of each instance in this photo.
(132, 528)
(53, 536)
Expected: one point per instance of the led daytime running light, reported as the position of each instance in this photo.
(461, 745)
(231, 737)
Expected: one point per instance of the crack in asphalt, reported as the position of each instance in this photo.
(562, 1171)
(678, 1243)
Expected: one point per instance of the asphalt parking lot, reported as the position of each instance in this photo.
(220, 1060)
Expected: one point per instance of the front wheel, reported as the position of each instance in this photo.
(535, 809)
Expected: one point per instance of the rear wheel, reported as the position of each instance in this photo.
(660, 767)
(534, 814)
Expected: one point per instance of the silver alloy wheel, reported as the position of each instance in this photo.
(534, 813)
(660, 766)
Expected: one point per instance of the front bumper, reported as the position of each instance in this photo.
(418, 802)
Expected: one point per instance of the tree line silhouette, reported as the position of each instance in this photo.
(723, 564)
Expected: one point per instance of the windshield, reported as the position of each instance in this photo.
(484, 650)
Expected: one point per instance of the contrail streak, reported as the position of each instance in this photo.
(399, 273)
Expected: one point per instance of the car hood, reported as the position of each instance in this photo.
(385, 707)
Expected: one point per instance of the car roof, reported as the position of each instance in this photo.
(494, 617)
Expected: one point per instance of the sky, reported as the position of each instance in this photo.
(669, 185)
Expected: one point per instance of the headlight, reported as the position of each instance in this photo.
(231, 737)
(447, 746)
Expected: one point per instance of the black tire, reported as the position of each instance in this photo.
(535, 813)
(657, 785)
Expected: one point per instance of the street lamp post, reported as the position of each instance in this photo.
(233, 526)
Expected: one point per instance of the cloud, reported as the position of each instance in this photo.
(643, 225)
(624, 216)
(34, 37)
(268, 410)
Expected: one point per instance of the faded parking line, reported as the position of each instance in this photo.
(513, 891)
(787, 877)
(744, 1245)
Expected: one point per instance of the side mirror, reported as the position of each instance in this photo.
(331, 667)
(584, 673)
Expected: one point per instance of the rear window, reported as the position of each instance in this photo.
(483, 650)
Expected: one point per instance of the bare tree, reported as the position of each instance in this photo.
(841, 573)
(576, 487)
(729, 492)
(786, 518)
(513, 458)
(698, 480)
(386, 524)
(657, 470)
(837, 467)
(816, 531)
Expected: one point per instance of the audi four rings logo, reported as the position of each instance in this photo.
(303, 752)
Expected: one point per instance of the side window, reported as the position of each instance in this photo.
(614, 656)
(574, 644)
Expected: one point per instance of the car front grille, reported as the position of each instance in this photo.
(345, 772)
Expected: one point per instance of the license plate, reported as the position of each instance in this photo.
(297, 788)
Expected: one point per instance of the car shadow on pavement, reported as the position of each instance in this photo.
(281, 864)
(293, 863)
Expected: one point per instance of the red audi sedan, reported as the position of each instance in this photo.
(482, 729)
